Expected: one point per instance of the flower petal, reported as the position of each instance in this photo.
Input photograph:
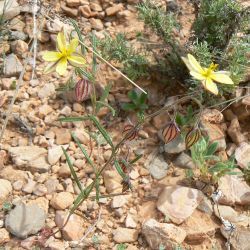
(62, 66)
(73, 45)
(61, 42)
(185, 60)
(197, 76)
(210, 86)
(76, 61)
(51, 56)
(50, 68)
(194, 64)
(221, 77)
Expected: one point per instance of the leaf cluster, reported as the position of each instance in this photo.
(138, 102)
(203, 154)
(217, 21)
(119, 50)
(161, 22)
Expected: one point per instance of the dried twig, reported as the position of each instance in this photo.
(92, 227)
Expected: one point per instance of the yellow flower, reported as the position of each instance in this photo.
(207, 76)
(66, 53)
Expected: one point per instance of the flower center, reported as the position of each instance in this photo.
(209, 71)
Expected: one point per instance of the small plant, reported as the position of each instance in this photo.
(217, 21)
(138, 103)
(165, 25)
(121, 246)
(210, 166)
(135, 65)
(161, 247)
(6, 206)
(95, 240)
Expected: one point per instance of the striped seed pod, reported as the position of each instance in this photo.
(129, 132)
(170, 132)
(126, 185)
(192, 136)
(83, 89)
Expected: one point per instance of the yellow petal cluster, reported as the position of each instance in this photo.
(207, 76)
(66, 53)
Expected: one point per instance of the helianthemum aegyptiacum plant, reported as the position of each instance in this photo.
(208, 76)
(66, 53)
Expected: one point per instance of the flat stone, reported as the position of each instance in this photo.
(9, 8)
(228, 213)
(125, 235)
(199, 227)
(69, 11)
(242, 155)
(178, 203)
(85, 11)
(5, 190)
(62, 200)
(16, 24)
(235, 190)
(73, 3)
(212, 116)
(119, 201)
(130, 222)
(41, 202)
(166, 234)
(20, 48)
(55, 153)
(18, 35)
(56, 245)
(25, 220)
(74, 229)
(63, 136)
(112, 181)
(184, 161)
(47, 91)
(156, 165)
(96, 24)
(234, 131)
(30, 157)
(239, 239)
(4, 236)
(29, 186)
(12, 66)
(206, 206)
(113, 10)
(215, 134)
(176, 146)
(147, 211)
(95, 6)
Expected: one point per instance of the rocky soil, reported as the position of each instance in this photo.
(164, 210)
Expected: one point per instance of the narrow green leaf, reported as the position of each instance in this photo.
(128, 106)
(72, 170)
(73, 119)
(81, 197)
(137, 158)
(84, 73)
(84, 152)
(212, 148)
(119, 169)
(94, 61)
(104, 96)
(97, 187)
(102, 130)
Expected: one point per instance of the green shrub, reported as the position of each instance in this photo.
(217, 21)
